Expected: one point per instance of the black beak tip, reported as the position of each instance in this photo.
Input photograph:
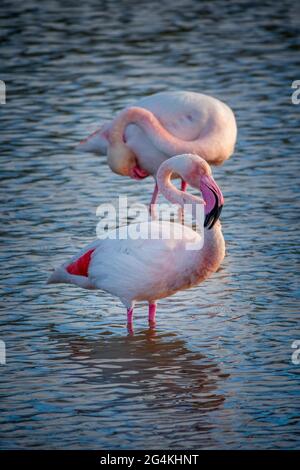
(212, 217)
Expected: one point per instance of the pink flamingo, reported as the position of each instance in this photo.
(160, 126)
(154, 268)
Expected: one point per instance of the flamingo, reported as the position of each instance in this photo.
(160, 126)
(154, 268)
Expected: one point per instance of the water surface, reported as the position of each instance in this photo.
(217, 371)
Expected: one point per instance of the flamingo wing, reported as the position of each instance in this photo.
(141, 269)
(185, 115)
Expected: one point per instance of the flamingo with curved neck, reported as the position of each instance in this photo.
(153, 268)
(160, 126)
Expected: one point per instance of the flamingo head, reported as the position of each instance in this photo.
(195, 171)
(122, 160)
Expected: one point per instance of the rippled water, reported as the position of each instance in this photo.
(217, 371)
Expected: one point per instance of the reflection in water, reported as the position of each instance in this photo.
(150, 374)
(73, 377)
(150, 362)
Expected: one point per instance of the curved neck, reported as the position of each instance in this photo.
(171, 193)
(160, 137)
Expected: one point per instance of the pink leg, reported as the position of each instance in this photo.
(181, 212)
(152, 208)
(152, 314)
(183, 186)
(129, 315)
(130, 320)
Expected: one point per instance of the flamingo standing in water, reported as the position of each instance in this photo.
(160, 126)
(154, 268)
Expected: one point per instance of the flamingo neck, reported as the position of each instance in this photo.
(209, 258)
(160, 137)
(171, 193)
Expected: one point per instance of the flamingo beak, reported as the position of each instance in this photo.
(138, 173)
(214, 200)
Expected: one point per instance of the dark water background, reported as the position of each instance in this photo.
(217, 372)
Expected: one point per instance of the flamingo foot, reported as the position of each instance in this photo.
(152, 314)
(130, 329)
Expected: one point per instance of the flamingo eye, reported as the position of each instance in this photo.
(124, 139)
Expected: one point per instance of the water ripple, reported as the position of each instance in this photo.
(217, 372)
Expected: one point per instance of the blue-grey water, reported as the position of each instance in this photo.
(217, 372)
